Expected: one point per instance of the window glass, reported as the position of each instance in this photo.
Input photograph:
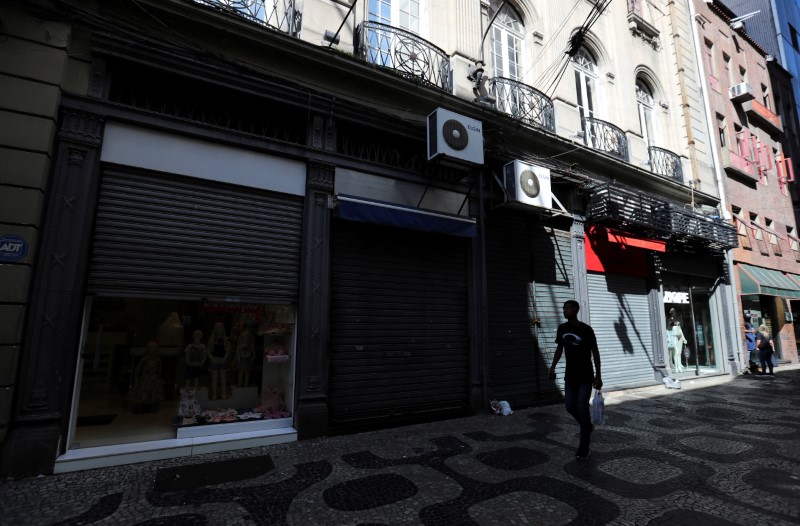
(154, 367)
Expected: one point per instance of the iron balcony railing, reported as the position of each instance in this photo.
(715, 233)
(523, 102)
(283, 15)
(664, 162)
(605, 137)
(403, 52)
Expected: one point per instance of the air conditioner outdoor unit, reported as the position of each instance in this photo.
(454, 139)
(528, 184)
(740, 92)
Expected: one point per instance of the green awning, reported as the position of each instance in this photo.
(758, 280)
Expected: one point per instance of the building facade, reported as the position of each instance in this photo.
(756, 180)
(241, 223)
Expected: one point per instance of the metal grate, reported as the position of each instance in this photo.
(716, 233)
(523, 102)
(403, 52)
(625, 208)
(621, 206)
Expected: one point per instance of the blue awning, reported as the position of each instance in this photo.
(391, 214)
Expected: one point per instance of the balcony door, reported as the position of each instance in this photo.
(396, 51)
(645, 103)
(585, 87)
(507, 32)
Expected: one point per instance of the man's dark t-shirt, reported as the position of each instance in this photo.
(578, 341)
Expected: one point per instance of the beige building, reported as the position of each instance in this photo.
(231, 223)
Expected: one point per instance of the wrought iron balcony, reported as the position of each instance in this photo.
(605, 137)
(664, 162)
(283, 15)
(523, 102)
(403, 52)
(691, 226)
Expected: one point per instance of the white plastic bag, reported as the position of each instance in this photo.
(598, 407)
(671, 383)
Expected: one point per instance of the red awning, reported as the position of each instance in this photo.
(640, 242)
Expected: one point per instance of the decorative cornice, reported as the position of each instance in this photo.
(81, 128)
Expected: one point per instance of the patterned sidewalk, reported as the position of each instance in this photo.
(715, 453)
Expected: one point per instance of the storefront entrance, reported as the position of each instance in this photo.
(691, 346)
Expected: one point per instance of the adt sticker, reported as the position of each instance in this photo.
(12, 248)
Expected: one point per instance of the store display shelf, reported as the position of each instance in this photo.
(233, 427)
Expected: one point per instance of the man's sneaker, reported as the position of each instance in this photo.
(584, 456)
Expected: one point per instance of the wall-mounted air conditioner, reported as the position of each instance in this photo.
(740, 92)
(454, 139)
(528, 184)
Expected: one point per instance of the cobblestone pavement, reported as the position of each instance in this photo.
(714, 453)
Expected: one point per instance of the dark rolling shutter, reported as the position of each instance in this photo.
(163, 236)
(529, 270)
(399, 344)
(621, 322)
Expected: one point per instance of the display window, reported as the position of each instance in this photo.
(153, 368)
(689, 350)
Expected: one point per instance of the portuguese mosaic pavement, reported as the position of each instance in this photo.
(720, 454)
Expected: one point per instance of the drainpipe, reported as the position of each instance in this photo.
(729, 317)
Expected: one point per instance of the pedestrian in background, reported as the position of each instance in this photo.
(750, 339)
(577, 340)
(766, 346)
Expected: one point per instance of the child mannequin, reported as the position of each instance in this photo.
(218, 350)
(148, 385)
(195, 354)
(245, 353)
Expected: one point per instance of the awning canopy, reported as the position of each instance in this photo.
(391, 214)
(758, 280)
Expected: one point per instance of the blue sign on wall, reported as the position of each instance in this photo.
(12, 248)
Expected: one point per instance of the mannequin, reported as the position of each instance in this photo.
(245, 354)
(148, 385)
(218, 350)
(678, 341)
(195, 354)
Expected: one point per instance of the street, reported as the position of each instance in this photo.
(716, 452)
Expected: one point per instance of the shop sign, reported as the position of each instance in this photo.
(676, 297)
(12, 248)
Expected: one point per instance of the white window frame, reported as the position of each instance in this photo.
(404, 14)
(507, 42)
(585, 67)
(647, 116)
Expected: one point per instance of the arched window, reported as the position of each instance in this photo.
(645, 103)
(585, 82)
(507, 35)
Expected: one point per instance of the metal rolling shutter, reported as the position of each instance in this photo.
(163, 236)
(529, 276)
(551, 288)
(399, 341)
(620, 319)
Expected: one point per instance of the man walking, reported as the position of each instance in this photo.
(577, 339)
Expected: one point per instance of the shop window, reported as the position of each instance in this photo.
(156, 369)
